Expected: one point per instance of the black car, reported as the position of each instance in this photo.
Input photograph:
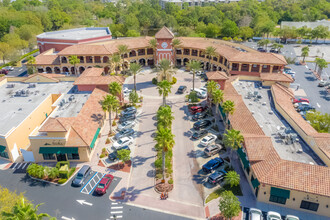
(273, 51)
(182, 89)
(129, 110)
(199, 115)
(113, 155)
(200, 134)
(127, 117)
(260, 49)
(217, 177)
(212, 164)
(202, 124)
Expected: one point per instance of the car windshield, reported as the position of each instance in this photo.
(204, 140)
(100, 186)
(120, 141)
(255, 212)
(79, 176)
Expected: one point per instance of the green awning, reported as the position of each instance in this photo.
(58, 150)
(255, 183)
(2, 148)
(242, 155)
(280, 192)
(95, 137)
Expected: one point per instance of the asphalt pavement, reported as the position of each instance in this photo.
(67, 202)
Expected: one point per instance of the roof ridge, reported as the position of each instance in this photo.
(79, 135)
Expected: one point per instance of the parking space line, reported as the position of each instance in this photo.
(96, 184)
(117, 207)
(88, 182)
(119, 216)
(20, 164)
(15, 166)
(116, 212)
(24, 165)
(114, 203)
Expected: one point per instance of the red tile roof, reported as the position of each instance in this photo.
(217, 75)
(279, 77)
(93, 76)
(164, 33)
(52, 124)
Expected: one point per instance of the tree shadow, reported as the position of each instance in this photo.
(138, 160)
(310, 78)
(196, 154)
(32, 182)
(199, 179)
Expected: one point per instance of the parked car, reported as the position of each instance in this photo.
(126, 125)
(200, 93)
(204, 89)
(260, 49)
(124, 133)
(209, 139)
(126, 91)
(300, 100)
(9, 68)
(199, 115)
(181, 89)
(323, 83)
(212, 164)
(217, 177)
(127, 117)
(129, 110)
(202, 124)
(104, 184)
(84, 171)
(199, 134)
(3, 71)
(198, 108)
(113, 156)
(273, 216)
(296, 105)
(291, 217)
(255, 214)
(122, 142)
(305, 108)
(273, 50)
(212, 149)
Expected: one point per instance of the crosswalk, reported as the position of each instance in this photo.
(20, 167)
(116, 210)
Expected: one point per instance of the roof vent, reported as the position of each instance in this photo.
(10, 85)
(20, 109)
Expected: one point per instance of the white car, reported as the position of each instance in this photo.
(9, 68)
(291, 217)
(123, 142)
(126, 91)
(209, 139)
(200, 93)
(204, 89)
(296, 105)
(125, 125)
(255, 214)
(273, 216)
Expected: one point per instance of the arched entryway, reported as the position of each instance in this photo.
(40, 70)
(150, 62)
(214, 68)
(65, 69)
(81, 69)
(64, 60)
(185, 61)
(178, 62)
(219, 68)
(57, 70)
(49, 69)
(106, 69)
(132, 61)
(105, 59)
(142, 62)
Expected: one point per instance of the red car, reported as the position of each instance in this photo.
(4, 71)
(104, 184)
(300, 100)
(195, 109)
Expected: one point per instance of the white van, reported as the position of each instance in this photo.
(200, 93)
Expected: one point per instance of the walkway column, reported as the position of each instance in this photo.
(271, 69)
(239, 67)
(230, 66)
(92, 59)
(223, 60)
(205, 66)
(84, 57)
(190, 51)
(260, 68)
(250, 67)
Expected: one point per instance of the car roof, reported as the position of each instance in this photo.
(105, 178)
(83, 169)
(273, 213)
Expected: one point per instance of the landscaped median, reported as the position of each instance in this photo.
(59, 174)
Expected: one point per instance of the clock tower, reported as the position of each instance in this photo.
(164, 39)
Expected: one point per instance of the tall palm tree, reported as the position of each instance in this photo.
(165, 116)
(116, 60)
(122, 50)
(194, 66)
(228, 107)
(25, 211)
(210, 52)
(153, 45)
(217, 98)
(135, 68)
(232, 178)
(233, 139)
(115, 89)
(30, 61)
(74, 60)
(211, 86)
(175, 44)
(164, 88)
(109, 104)
(165, 68)
(304, 52)
(165, 140)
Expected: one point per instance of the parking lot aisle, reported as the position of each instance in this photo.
(20, 167)
(116, 210)
(92, 183)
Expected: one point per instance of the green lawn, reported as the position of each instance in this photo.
(236, 190)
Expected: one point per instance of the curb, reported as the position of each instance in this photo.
(57, 184)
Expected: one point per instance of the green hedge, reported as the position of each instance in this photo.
(14, 63)
(64, 174)
(28, 54)
(72, 171)
(61, 181)
(62, 163)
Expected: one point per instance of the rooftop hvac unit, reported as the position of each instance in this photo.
(32, 85)
(10, 85)
(71, 98)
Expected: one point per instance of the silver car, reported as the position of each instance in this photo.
(126, 125)
(212, 149)
(124, 133)
(255, 214)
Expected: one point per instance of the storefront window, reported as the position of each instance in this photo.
(49, 156)
(4, 154)
(309, 205)
(73, 156)
(277, 199)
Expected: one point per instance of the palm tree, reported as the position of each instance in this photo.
(217, 98)
(165, 140)
(116, 61)
(175, 44)
(115, 89)
(194, 66)
(233, 139)
(24, 211)
(232, 178)
(135, 68)
(165, 116)
(165, 68)
(228, 107)
(164, 88)
(266, 42)
(109, 104)
(321, 63)
(210, 52)
(304, 52)
(74, 60)
(153, 45)
(122, 50)
(211, 86)
(30, 61)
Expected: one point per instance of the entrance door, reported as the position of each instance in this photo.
(61, 157)
(256, 192)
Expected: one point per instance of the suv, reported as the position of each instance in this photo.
(323, 84)
(212, 164)
(126, 125)
(127, 117)
(198, 108)
(212, 149)
(217, 177)
(182, 89)
(197, 135)
(113, 155)
(124, 133)
(202, 124)
(129, 110)
(81, 176)
(199, 115)
(209, 139)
